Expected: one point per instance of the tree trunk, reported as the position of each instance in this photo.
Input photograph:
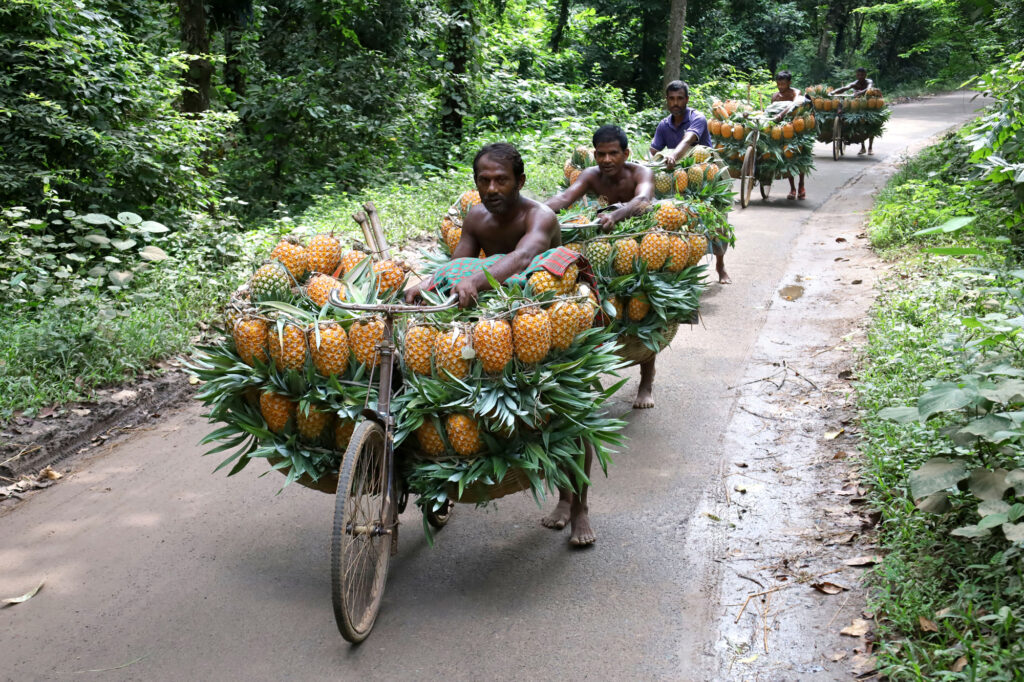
(563, 20)
(643, 78)
(674, 48)
(196, 97)
(456, 91)
(821, 66)
(233, 76)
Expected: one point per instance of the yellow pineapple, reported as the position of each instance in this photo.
(351, 259)
(389, 276)
(700, 154)
(448, 348)
(638, 307)
(678, 254)
(429, 439)
(276, 410)
(324, 253)
(464, 435)
(343, 433)
(468, 200)
(599, 253)
(492, 341)
(531, 334)
(287, 346)
(681, 180)
(250, 336)
(654, 250)
(698, 247)
(664, 183)
(617, 304)
(453, 238)
(319, 287)
(419, 348)
(294, 256)
(567, 282)
(626, 251)
(575, 246)
(669, 217)
(330, 355)
(312, 425)
(363, 338)
(564, 322)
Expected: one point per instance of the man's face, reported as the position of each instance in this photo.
(498, 185)
(676, 101)
(783, 84)
(862, 75)
(610, 157)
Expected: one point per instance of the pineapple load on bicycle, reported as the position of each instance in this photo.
(859, 88)
(516, 235)
(787, 93)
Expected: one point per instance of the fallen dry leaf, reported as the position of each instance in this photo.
(81, 412)
(48, 473)
(858, 628)
(832, 435)
(927, 625)
(837, 656)
(25, 597)
(749, 659)
(869, 560)
(840, 239)
(959, 664)
(193, 380)
(829, 588)
(862, 664)
(857, 281)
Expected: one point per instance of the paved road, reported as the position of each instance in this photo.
(157, 569)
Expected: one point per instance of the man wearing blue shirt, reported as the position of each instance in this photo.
(683, 129)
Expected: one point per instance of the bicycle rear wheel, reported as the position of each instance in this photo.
(837, 139)
(364, 521)
(747, 176)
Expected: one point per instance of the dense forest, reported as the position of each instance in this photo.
(167, 107)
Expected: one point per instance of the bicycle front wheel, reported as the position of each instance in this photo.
(747, 176)
(837, 139)
(364, 521)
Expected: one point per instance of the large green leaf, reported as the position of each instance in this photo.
(992, 427)
(935, 475)
(988, 485)
(943, 398)
(951, 225)
(903, 415)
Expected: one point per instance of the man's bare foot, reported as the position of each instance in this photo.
(644, 398)
(723, 277)
(582, 534)
(559, 516)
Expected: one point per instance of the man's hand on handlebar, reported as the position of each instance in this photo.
(412, 294)
(467, 292)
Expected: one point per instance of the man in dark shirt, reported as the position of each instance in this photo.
(679, 132)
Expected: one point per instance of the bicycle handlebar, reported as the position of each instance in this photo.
(390, 309)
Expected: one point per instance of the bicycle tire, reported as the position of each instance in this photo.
(837, 138)
(440, 518)
(360, 539)
(747, 176)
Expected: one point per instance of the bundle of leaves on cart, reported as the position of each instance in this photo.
(292, 374)
(864, 116)
(508, 389)
(785, 147)
(648, 268)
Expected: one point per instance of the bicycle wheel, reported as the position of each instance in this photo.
(439, 519)
(747, 176)
(364, 517)
(837, 138)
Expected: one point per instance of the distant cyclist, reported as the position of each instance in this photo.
(859, 87)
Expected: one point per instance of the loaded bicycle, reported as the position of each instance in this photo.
(749, 172)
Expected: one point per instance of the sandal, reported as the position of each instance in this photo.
(802, 195)
(791, 196)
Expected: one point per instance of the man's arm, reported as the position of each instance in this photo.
(638, 204)
(468, 247)
(543, 226)
(672, 156)
(573, 193)
(844, 88)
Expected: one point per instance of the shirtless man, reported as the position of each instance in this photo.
(678, 133)
(614, 178)
(859, 87)
(621, 182)
(787, 93)
(505, 222)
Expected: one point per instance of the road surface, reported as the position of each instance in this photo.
(157, 569)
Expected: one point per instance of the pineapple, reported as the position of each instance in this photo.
(453, 238)
(294, 256)
(351, 259)
(250, 336)
(543, 281)
(312, 425)
(617, 304)
(626, 251)
(271, 282)
(531, 334)
(599, 253)
(492, 341)
(669, 217)
(701, 154)
(363, 338)
(726, 130)
(567, 282)
(678, 254)
(468, 200)
(787, 131)
(343, 433)
(776, 132)
(389, 276)
(715, 126)
(695, 177)
(276, 410)
(330, 355)
(586, 311)
(287, 346)
(582, 156)
(664, 183)
(319, 287)
(798, 125)
(324, 253)
(464, 435)
(429, 439)
(738, 132)
(575, 246)
(681, 180)
(638, 307)
(574, 176)
(448, 347)
(564, 318)
(446, 227)
(698, 247)
(654, 250)
(568, 168)
(711, 172)
(419, 345)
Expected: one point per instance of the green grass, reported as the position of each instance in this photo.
(972, 589)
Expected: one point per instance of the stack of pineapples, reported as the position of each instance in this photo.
(582, 158)
(784, 148)
(510, 387)
(451, 222)
(864, 116)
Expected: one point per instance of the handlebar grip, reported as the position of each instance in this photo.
(335, 300)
